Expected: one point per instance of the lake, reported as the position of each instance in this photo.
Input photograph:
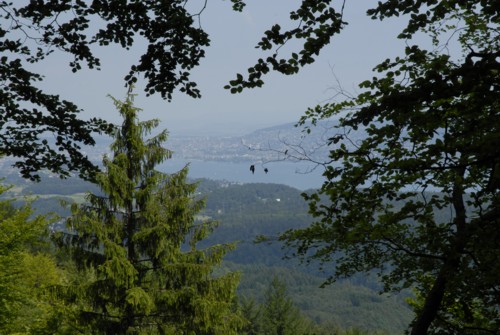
(297, 175)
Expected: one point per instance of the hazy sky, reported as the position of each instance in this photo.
(283, 99)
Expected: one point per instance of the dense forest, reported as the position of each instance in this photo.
(245, 212)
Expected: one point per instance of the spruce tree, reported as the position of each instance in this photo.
(280, 316)
(136, 243)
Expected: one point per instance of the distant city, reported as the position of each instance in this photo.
(278, 143)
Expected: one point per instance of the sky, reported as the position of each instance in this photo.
(283, 99)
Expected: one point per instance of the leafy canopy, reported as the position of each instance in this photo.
(32, 31)
(27, 275)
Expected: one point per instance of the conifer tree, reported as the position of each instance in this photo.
(280, 316)
(137, 245)
(252, 314)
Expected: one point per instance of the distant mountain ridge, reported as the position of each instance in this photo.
(276, 143)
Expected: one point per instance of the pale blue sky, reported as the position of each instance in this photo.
(283, 99)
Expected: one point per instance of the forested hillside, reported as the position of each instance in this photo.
(244, 212)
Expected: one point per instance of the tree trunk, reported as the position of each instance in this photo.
(431, 306)
(435, 297)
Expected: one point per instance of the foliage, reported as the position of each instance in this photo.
(27, 275)
(175, 44)
(251, 312)
(32, 31)
(280, 316)
(137, 245)
(316, 21)
(277, 315)
(347, 304)
(432, 123)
